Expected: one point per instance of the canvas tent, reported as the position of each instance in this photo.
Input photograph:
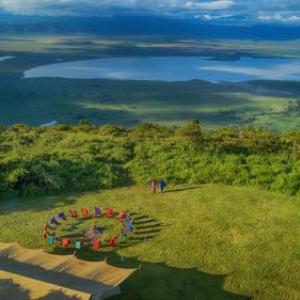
(37, 271)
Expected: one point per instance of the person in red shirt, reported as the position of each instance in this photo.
(154, 184)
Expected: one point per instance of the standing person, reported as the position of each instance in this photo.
(162, 185)
(45, 236)
(154, 184)
(46, 231)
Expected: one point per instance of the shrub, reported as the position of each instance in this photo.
(83, 157)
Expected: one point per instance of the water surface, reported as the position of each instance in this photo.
(3, 58)
(173, 69)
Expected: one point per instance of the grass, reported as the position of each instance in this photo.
(39, 101)
(275, 112)
(77, 228)
(206, 242)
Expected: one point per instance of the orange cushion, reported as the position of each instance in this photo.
(65, 242)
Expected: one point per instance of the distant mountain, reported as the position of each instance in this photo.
(146, 25)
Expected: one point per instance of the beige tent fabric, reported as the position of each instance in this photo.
(96, 278)
(34, 289)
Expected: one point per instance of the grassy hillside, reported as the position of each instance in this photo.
(194, 242)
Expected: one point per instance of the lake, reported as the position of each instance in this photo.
(173, 69)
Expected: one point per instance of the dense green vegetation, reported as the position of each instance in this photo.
(211, 242)
(85, 157)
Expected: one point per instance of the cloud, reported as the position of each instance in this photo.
(279, 18)
(212, 5)
(210, 17)
(99, 6)
(266, 11)
(55, 7)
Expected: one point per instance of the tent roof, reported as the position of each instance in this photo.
(93, 278)
(14, 286)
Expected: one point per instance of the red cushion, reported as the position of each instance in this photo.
(97, 245)
(110, 212)
(73, 213)
(112, 243)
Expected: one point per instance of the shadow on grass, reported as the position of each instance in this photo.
(15, 203)
(161, 282)
(182, 189)
(156, 280)
(151, 281)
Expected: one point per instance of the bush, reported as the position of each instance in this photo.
(83, 157)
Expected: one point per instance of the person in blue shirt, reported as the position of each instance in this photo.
(162, 185)
(53, 221)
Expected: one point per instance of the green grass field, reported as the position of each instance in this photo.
(205, 242)
(39, 101)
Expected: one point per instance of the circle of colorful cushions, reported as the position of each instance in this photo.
(77, 243)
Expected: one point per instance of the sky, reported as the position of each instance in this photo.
(263, 11)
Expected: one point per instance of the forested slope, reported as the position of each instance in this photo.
(85, 157)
